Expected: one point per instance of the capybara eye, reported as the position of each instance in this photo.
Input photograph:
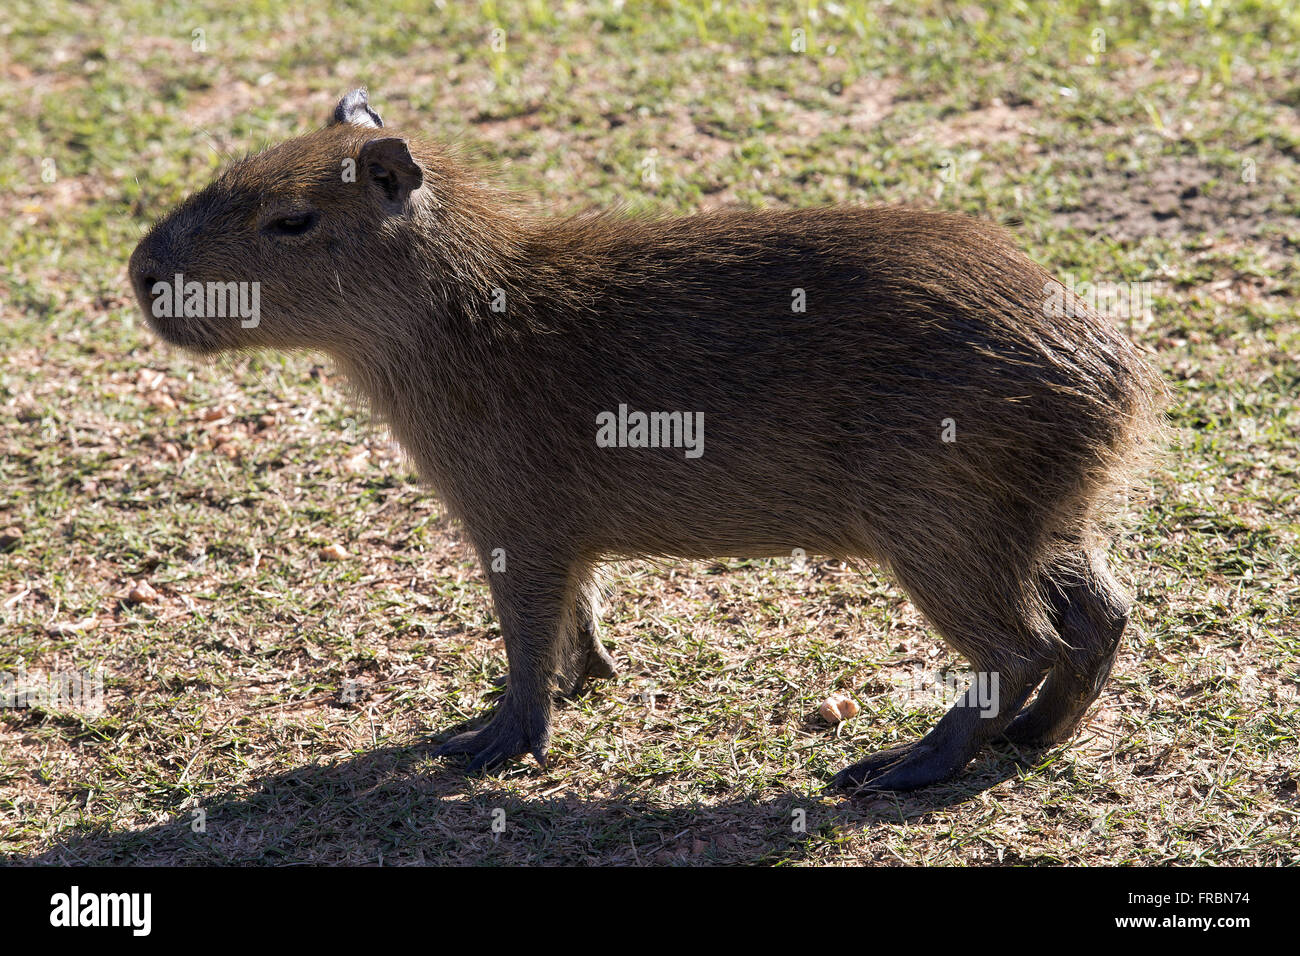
(297, 224)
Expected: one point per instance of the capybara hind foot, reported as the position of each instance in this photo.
(908, 759)
(905, 767)
(504, 737)
(1059, 708)
(940, 755)
(1090, 611)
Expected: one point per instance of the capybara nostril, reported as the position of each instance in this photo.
(145, 271)
(145, 275)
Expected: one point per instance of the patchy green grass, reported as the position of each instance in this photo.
(292, 698)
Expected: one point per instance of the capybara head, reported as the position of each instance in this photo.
(289, 247)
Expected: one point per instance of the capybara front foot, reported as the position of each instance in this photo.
(599, 662)
(505, 737)
(590, 660)
(905, 767)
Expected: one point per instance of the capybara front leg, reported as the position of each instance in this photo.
(531, 605)
(586, 656)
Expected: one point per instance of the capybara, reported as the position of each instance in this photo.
(886, 384)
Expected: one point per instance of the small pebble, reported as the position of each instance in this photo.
(142, 593)
(838, 707)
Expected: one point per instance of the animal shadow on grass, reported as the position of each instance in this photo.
(398, 806)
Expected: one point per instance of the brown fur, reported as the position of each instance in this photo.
(822, 428)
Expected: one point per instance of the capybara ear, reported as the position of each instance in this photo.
(388, 165)
(354, 108)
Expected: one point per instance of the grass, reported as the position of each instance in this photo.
(291, 699)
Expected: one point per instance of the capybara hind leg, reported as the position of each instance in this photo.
(532, 607)
(982, 713)
(1090, 611)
